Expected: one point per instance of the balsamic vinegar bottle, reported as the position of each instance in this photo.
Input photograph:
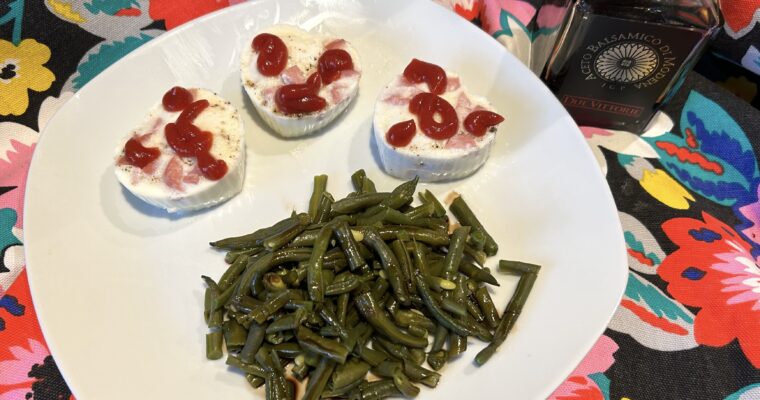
(616, 62)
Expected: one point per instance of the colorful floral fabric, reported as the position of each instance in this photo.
(687, 190)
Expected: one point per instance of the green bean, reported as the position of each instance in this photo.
(380, 287)
(341, 392)
(253, 239)
(477, 240)
(429, 197)
(518, 267)
(391, 305)
(379, 390)
(419, 374)
(249, 368)
(479, 256)
(457, 345)
(342, 307)
(233, 255)
(273, 282)
(427, 236)
(474, 310)
(286, 322)
(325, 347)
(349, 245)
(277, 387)
(214, 345)
(439, 284)
(390, 265)
(256, 264)
(271, 306)
(290, 254)
(277, 337)
(234, 335)
(369, 308)
(282, 237)
(487, 306)
(512, 312)
(331, 319)
(324, 211)
(405, 262)
(452, 306)
(255, 381)
(479, 274)
(314, 276)
(233, 272)
(409, 318)
(320, 185)
(359, 203)
(300, 372)
(287, 350)
(402, 195)
(405, 386)
(318, 379)
(425, 210)
(209, 297)
(387, 369)
(362, 184)
(371, 356)
(343, 286)
(464, 214)
(435, 310)
(416, 330)
(264, 359)
(350, 372)
(253, 342)
(454, 255)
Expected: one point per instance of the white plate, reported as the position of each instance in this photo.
(116, 283)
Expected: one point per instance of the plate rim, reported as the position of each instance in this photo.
(586, 153)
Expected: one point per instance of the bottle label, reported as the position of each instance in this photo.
(621, 69)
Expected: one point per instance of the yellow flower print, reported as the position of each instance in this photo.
(665, 189)
(21, 69)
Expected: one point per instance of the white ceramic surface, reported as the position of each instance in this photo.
(116, 283)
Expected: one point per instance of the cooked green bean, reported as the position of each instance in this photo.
(405, 262)
(344, 286)
(286, 322)
(430, 198)
(318, 379)
(271, 306)
(325, 347)
(372, 312)
(253, 342)
(419, 374)
(405, 386)
(348, 243)
(454, 255)
(378, 390)
(391, 305)
(518, 267)
(324, 211)
(427, 236)
(464, 214)
(479, 274)
(425, 210)
(402, 195)
(256, 238)
(300, 371)
(390, 265)
(477, 240)
(371, 356)
(287, 350)
(320, 185)
(331, 319)
(487, 306)
(282, 237)
(214, 345)
(350, 372)
(273, 282)
(255, 381)
(234, 335)
(474, 310)
(233, 272)
(408, 318)
(249, 368)
(439, 284)
(512, 312)
(315, 284)
(362, 183)
(359, 203)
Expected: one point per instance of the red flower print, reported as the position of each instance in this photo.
(177, 12)
(714, 270)
(740, 16)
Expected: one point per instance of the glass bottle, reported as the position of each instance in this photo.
(615, 63)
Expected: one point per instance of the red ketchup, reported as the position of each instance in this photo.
(139, 155)
(176, 99)
(478, 122)
(186, 139)
(273, 54)
(419, 71)
(332, 62)
(300, 98)
(401, 134)
(437, 118)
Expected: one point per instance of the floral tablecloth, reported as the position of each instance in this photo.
(687, 191)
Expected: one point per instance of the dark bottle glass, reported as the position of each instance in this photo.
(616, 62)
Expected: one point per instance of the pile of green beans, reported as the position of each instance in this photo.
(367, 284)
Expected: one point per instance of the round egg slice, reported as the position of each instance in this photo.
(303, 53)
(430, 159)
(177, 183)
